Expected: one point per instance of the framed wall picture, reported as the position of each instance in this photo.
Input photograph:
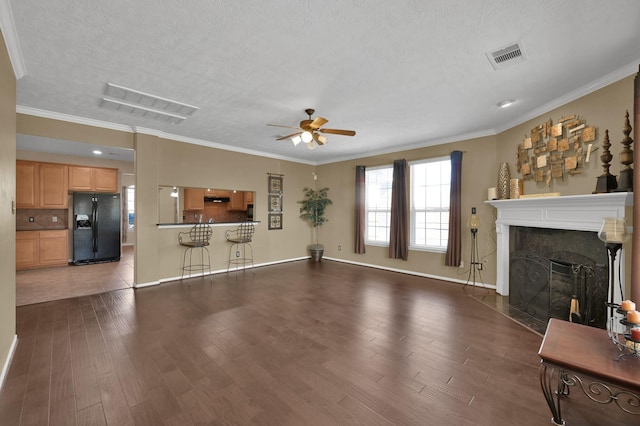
(275, 220)
(275, 203)
(275, 184)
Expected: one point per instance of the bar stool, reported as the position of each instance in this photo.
(240, 236)
(196, 238)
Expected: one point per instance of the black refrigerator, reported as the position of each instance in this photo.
(96, 227)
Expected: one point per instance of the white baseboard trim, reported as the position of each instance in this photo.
(368, 265)
(219, 271)
(7, 364)
(409, 272)
(147, 284)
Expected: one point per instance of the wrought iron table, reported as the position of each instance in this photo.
(575, 355)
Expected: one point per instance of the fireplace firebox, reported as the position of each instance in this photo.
(557, 273)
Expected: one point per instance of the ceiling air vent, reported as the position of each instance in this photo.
(131, 101)
(506, 56)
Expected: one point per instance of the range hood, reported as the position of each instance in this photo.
(216, 199)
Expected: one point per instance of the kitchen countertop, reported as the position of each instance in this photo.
(41, 229)
(189, 225)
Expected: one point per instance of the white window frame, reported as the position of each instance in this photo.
(369, 210)
(131, 202)
(444, 211)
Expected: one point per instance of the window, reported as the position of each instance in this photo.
(430, 183)
(131, 202)
(378, 204)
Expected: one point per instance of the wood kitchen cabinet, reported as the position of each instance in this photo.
(52, 248)
(27, 185)
(39, 249)
(236, 201)
(26, 249)
(98, 179)
(193, 198)
(41, 185)
(54, 186)
(248, 199)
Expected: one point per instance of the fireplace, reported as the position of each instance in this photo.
(556, 272)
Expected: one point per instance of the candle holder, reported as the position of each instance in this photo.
(614, 233)
(474, 265)
(622, 338)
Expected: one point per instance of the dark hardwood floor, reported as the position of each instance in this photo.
(47, 284)
(293, 344)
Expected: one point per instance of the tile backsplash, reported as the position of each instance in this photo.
(42, 219)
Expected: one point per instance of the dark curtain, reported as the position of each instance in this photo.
(399, 235)
(454, 244)
(360, 207)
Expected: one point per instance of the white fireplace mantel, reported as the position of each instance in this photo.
(572, 212)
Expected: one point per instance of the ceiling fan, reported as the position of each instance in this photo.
(310, 129)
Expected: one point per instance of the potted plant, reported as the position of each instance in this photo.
(312, 210)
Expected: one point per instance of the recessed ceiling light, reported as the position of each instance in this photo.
(506, 103)
(96, 152)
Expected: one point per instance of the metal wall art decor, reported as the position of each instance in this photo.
(275, 188)
(553, 151)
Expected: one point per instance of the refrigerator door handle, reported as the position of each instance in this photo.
(94, 230)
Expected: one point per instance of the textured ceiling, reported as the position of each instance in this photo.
(402, 74)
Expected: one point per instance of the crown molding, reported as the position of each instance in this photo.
(417, 145)
(72, 118)
(591, 87)
(603, 81)
(224, 147)
(8, 28)
(588, 88)
(148, 131)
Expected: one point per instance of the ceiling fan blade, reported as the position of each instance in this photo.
(288, 136)
(338, 132)
(279, 125)
(318, 122)
(321, 140)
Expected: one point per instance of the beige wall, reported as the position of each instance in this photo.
(165, 162)
(478, 166)
(122, 166)
(7, 197)
(46, 127)
(604, 109)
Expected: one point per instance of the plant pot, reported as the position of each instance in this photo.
(316, 253)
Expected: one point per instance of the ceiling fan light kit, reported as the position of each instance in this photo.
(307, 137)
(308, 131)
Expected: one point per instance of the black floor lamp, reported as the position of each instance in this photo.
(474, 265)
(614, 233)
